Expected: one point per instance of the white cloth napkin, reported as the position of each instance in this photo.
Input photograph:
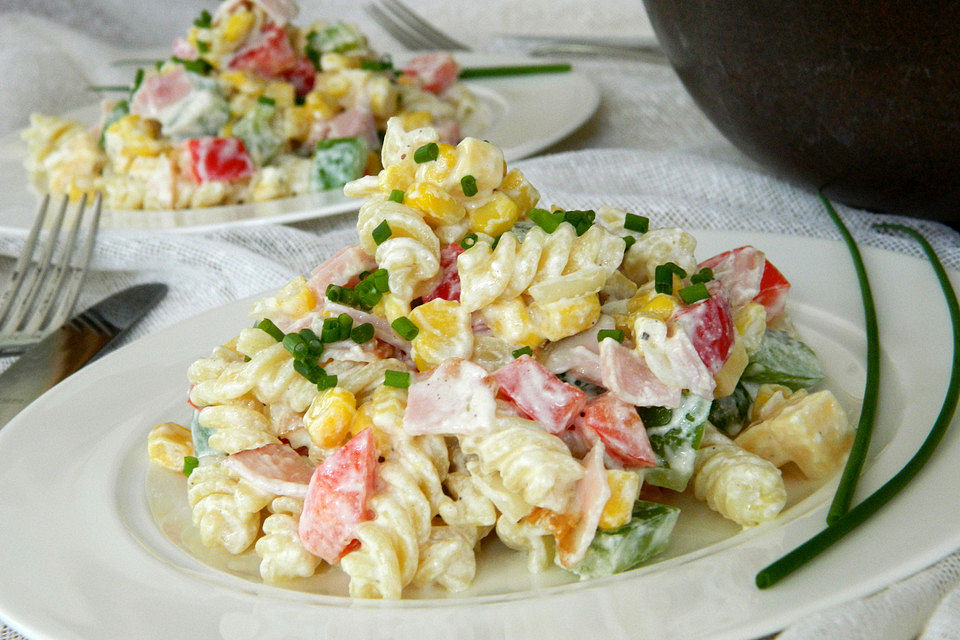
(675, 168)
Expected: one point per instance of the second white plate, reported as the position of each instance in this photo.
(523, 115)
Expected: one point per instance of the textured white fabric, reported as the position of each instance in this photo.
(647, 150)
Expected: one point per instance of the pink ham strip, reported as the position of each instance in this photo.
(627, 376)
(274, 467)
(160, 90)
(459, 397)
(592, 495)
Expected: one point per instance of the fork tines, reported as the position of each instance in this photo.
(409, 29)
(43, 288)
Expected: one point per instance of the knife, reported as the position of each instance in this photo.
(86, 336)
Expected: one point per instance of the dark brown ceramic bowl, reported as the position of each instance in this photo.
(861, 99)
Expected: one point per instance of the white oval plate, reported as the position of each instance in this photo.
(521, 114)
(84, 558)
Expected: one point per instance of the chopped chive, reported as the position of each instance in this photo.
(405, 328)
(468, 241)
(629, 240)
(314, 345)
(512, 70)
(334, 293)
(326, 381)
(381, 280)
(367, 293)
(198, 66)
(861, 439)
(616, 334)
(267, 100)
(849, 520)
(426, 153)
(399, 379)
(268, 326)
(381, 232)
(383, 64)
(545, 219)
(694, 293)
(203, 47)
(663, 276)
(523, 351)
(293, 343)
(189, 464)
(469, 185)
(345, 323)
(363, 275)
(137, 80)
(330, 331)
(308, 370)
(396, 196)
(204, 21)
(633, 222)
(704, 275)
(362, 333)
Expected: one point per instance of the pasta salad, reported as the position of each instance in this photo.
(249, 108)
(478, 367)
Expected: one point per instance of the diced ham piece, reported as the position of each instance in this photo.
(578, 354)
(354, 122)
(625, 373)
(773, 291)
(449, 131)
(336, 500)
(436, 72)
(739, 271)
(459, 397)
(449, 287)
(593, 492)
(158, 91)
(184, 50)
(218, 159)
(340, 269)
(267, 53)
(747, 275)
(617, 424)
(539, 393)
(672, 358)
(274, 467)
(709, 324)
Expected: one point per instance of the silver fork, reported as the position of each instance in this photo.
(43, 288)
(413, 32)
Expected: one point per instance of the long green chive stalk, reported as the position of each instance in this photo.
(776, 571)
(871, 389)
(512, 70)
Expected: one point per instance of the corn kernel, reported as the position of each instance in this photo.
(769, 398)
(416, 119)
(397, 177)
(168, 444)
(243, 82)
(438, 206)
(338, 61)
(238, 26)
(510, 321)
(444, 333)
(726, 379)
(496, 216)
(282, 93)
(297, 121)
(750, 321)
(132, 135)
(624, 489)
(320, 105)
(330, 416)
(523, 194)
(438, 170)
(565, 317)
(391, 307)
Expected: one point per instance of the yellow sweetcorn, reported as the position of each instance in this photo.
(750, 321)
(769, 399)
(438, 206)
(437, 171)
(320, 105)
(168, 444)
(379, 404)
(293, 300)
(444, 332)
(397, 177)
(496, 216)
(523, 194)
(237, 26)
(648, 302)
(510, 321)
(296, 122)
(329, 418)
(132, 136)
(282, 93)
(726, 379)
(416, 119)
(243, 82)
(565, 317)
(391, 307)
(624, 489)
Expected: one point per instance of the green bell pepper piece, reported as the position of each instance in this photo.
(337, 161)
(782, 359)
(675, 437)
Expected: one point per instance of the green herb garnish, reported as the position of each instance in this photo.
(362, 333)
(399, 379)
(268, 326)
(426, 153)
(405, 328)
(633, 222)
(381, 232)
(469, 185)
(694, 293)
(189, 464)
(523, 351)
(616, 334)
(512, 70)
(468, 241)
(396, 196)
